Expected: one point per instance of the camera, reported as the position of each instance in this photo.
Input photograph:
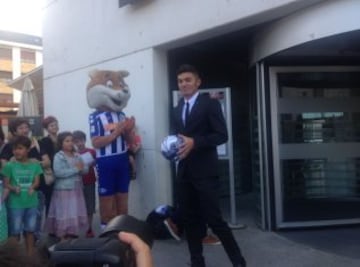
(105, 250)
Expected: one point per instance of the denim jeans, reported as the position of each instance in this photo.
(22, 220)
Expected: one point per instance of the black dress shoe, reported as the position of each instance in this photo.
(242, 263)
(197, 261)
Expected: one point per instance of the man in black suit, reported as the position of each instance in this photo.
(199, 120)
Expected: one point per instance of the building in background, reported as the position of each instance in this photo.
(293, 68)
(20, 54)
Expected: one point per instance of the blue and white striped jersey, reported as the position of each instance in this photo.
(102, 123)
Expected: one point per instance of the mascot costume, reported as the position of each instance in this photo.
(112, 133)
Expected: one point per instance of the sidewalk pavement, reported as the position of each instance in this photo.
(328, 247)
(275, 249)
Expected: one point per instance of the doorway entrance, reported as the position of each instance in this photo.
(315, 133)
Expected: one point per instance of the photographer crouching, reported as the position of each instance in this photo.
(142, 251)
(126, 242)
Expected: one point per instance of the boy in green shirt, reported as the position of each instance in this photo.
(22, 178)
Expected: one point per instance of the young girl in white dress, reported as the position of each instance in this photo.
(67, 216)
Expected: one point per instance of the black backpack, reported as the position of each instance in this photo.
(156, 219)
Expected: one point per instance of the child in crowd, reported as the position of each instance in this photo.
(21, 179)
(67, 213)
(3, 214)
(21, 127)
(89, 179)
(132, 150)
(3, 195)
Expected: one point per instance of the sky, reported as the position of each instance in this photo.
(23, 16)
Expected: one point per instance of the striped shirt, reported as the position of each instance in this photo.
(102, 123)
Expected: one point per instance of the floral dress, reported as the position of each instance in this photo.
(67, 212)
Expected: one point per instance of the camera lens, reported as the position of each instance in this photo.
(106, 250)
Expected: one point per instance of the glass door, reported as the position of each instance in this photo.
(315, 114)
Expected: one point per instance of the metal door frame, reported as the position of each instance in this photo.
(273, 86)
(265, 199)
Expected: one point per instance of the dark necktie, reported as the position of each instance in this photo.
(187, 112)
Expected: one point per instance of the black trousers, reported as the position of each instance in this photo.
(199, 205)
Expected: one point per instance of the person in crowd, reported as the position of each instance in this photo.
(89, 179)
(49, 147)
(21, 127)
(2, 146)
(107, 130)
(199, 121)
(4, 192)
(132, 151)
(141, 250)
(13, 255)
(48, 143)
(3, 195)
(22, 177)
(67, 213)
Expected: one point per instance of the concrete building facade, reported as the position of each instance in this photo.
(292, 67)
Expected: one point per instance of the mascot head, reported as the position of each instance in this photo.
(107, 90)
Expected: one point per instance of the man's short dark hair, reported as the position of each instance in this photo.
(79, 135)
(187, 68)
(14, 124)
(20, 141)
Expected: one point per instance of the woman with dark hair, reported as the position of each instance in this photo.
(48, 143)
(2, 146)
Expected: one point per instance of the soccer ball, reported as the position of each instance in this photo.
(170, 147)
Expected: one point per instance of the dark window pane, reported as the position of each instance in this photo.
(27, 56)
(5, 53)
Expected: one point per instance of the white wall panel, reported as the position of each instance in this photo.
(85, 34)
(81, 33)
(148, 104)
(318, 21)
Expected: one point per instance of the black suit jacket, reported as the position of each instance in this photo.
(206, 125)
